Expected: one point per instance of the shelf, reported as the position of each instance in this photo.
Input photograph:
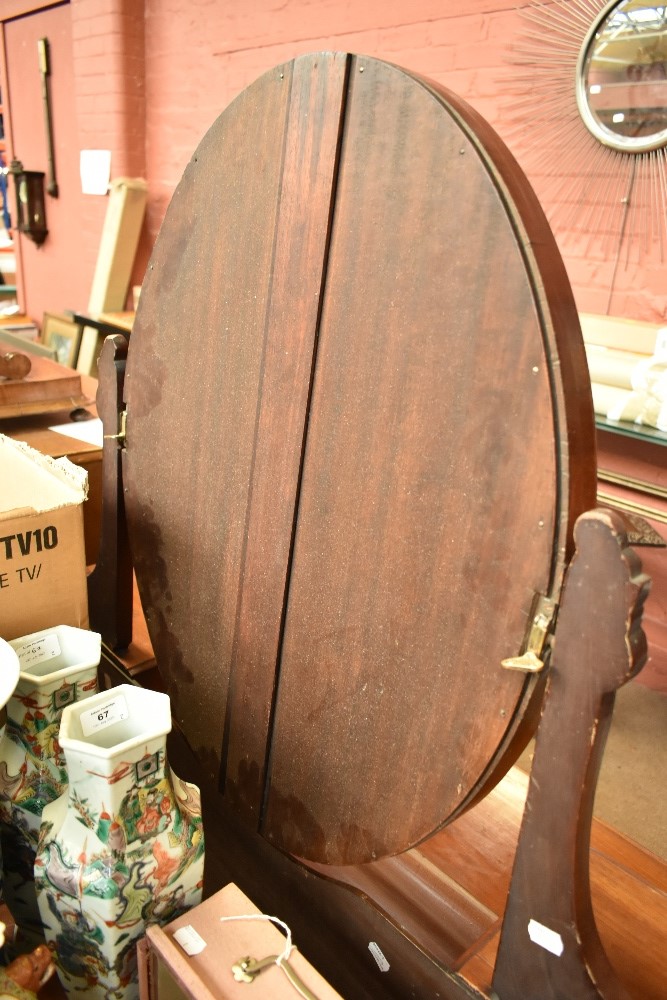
(638, 431)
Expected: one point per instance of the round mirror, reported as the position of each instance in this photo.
(622, 76)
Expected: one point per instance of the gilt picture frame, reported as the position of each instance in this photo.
(61, 333)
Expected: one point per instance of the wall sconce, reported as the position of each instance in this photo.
(30, 203)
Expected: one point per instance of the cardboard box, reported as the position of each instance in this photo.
(42, 555)
(166, 972)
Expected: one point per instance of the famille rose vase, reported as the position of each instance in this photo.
(9, 678)
(122, 848)
(58, 666)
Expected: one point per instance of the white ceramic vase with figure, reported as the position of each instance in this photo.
(122, 848)
(9, 676)
(58, 667)
(9, 672)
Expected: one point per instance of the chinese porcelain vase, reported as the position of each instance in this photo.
(9, 676)
(9, 672)
(122, 848)
(58, 666)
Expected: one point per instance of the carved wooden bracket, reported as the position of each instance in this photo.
(549, 945)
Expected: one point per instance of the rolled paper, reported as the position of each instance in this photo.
(651, 376)
(620, 333)
(609, 397)
(610, 367)
(638, 408)
(630, 406)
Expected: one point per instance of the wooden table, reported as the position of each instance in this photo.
(96, 328)
(106, 323)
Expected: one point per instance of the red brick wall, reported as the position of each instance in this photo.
(50, 276)
(199, 58)
(200, 54)
(97, 86)
(152, 75)
(108, 54)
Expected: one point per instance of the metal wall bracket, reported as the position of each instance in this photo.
(542, 619)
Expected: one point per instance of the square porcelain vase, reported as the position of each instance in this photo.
(122, 848)
(58, 667)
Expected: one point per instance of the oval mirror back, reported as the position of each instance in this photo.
(359, 430)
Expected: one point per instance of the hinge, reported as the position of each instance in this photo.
(120, 436)
(542, 618)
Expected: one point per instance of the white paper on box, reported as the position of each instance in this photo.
(90, 431)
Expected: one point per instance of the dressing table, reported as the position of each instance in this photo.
(359, 498)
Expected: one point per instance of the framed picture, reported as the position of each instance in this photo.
(10, 341)
(63, 335)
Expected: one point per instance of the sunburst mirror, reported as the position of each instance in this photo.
(598, 72)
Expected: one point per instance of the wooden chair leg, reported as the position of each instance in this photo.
(110, 583)
(549, 947)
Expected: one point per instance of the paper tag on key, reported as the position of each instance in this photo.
(191, 942)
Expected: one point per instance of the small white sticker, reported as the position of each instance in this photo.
(376, 952)
(545, 937)
(38, 651)
(191, 942)
(105, 714)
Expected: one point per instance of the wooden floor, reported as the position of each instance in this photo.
(449, 894)
(629, 888)
(472, 860)
(629, 894)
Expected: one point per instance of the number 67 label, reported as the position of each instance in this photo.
(104, 714)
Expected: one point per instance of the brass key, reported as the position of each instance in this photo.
(247, 968)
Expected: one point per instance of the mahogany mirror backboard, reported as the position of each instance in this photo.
(359, 430)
